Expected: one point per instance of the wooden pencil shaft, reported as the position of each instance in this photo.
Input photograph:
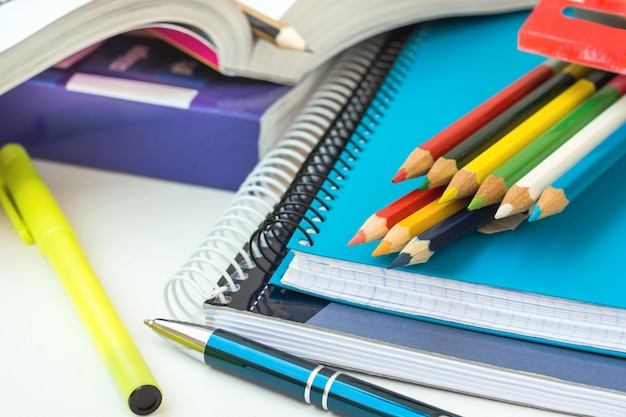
(407, 204)
(378, 224)
(520, 164)
(445, 140)
(263, 29)
(457, 226)
(582, 175)
(279, 33)
(430, 215)
(423, 157)
(532, 184)
(259, 20)
(535, 125)
(516, 114)
(576, 148)
(590, 175)
(416, 223)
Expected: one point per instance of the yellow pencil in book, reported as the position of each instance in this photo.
(466, 182)
(418, 222)
(280, 34)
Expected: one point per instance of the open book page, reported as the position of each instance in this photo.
(20, 19)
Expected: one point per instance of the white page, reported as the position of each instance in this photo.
(20, 19)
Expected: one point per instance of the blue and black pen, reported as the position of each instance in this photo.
(314, 384)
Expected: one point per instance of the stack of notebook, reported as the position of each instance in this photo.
(419, 83)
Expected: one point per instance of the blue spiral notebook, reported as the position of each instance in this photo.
(558, 281)
(370, 340)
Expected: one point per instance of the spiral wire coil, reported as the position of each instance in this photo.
(290, 182)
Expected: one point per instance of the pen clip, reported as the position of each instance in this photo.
(14, 214)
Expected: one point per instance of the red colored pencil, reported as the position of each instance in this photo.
(379, 223)
(422, 158)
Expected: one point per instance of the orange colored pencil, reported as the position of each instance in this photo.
(379, 223)
(418, 222)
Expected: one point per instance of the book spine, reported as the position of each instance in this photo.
(220, 263)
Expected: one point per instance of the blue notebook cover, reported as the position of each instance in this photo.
(572, 256)
(203, 128)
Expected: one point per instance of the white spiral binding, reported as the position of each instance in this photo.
(205, 275)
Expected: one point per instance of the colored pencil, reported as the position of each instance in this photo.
(279, 33)
(466, 182)
(422, 247)
(496, 184)
(423, 219)
(578, 178)
(446, 166)
(379, 223)
(522, 195)
(422, 158)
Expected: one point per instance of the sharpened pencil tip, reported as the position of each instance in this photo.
(476, 203)
(503, 211)
(383, 248)
(401, 260)
(148, 323)
(400, 176)
(448, 195)
(425, 185)
(535, 215)
(308, 49)
(358, 239)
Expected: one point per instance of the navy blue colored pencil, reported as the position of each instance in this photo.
(422, 247)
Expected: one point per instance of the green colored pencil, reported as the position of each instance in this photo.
(495, 186)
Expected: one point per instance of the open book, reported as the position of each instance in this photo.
(38, 33)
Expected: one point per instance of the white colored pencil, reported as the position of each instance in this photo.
(527, 189)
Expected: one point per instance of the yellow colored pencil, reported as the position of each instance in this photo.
(423, 219)
(466, 182)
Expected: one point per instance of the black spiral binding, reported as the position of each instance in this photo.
(314, 187)
(378, 68)
(221, 270)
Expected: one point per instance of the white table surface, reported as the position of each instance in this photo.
(136, 232)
